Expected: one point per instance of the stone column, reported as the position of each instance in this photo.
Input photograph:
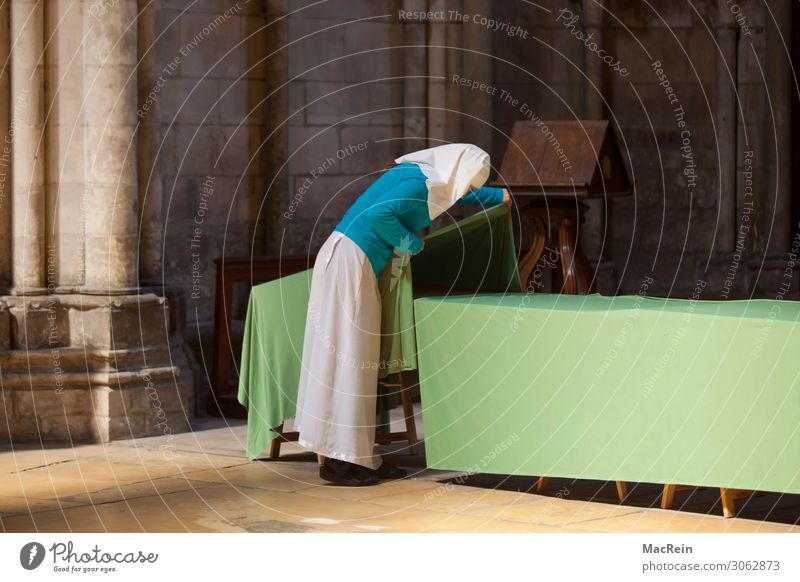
(454, 63)
(726, 118)
(415, 119)
(275, 120)
(437, 80)
(27, 165)
(111, 195)
(477, 105)
(595, 230)
(149, 137)
(594, 15)
(777, 210)
(66, 149)
(5, 152)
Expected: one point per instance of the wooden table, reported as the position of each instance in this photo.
(231, 270)
(704, 417)
(223, 392)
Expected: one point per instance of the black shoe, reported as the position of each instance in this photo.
(388, 471)
(344, 473)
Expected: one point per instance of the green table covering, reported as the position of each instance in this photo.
(476, 253)
(627, 388)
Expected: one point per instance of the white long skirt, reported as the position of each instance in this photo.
(336, 399)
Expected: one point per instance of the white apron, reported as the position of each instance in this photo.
(337, 394)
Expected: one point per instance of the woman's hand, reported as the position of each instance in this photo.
(507, 198)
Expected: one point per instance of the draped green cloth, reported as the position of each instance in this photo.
(622, 388)
(476, 254)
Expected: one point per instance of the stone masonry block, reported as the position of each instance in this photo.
(51, 402)
(37, 324)
(5, 327)
(368, 149)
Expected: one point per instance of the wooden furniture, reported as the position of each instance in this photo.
(222, 397)
(409, 435)
(548, 168)
(727, 497)
(230, 271)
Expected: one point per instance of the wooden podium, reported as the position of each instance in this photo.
(549, 168)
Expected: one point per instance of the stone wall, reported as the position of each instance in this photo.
(345, 118)
(689, 217)
(676, 228)
(87, 353)
(340, 88)
(206, 94)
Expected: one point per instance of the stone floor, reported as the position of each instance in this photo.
(133, 486)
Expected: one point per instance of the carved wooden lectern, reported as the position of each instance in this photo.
(549, 167)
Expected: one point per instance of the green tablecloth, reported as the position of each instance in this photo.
(613, 388)
(476, 253)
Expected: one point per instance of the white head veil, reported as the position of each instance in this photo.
(451, 170)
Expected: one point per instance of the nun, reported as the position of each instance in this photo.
(336, 403)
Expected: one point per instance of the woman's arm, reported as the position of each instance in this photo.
(383, 216)
(486, 196)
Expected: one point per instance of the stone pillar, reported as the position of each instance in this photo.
(275, 120)
(595, 229)
(86, 366)
(5, 151)
(27, 166)
(594, 15)
(415, 120)
(149, 138)
(777, 211)
(726, 117)
(477, 106)
(437, 76)
(64, 166)
(454, 62)
(111, 194)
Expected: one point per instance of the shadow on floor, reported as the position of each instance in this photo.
(772, 507)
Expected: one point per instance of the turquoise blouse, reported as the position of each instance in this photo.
(389, 213)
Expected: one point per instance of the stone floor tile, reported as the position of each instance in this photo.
(659, 520)
(552, 511)
(25, 505)
(412, 520)
(451, 498)
(385, 488)
(272, 476)
(129, 491)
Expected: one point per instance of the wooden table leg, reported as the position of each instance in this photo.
(408, 413)
(528, 262)
(729, 496)
(575, 266)
(622, 490)
(668, 495)
(275, 445)
(622, 487)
